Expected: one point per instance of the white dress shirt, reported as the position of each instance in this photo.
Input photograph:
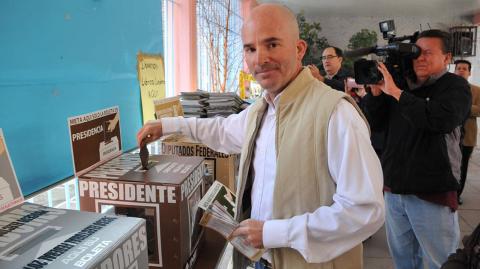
(329, 231)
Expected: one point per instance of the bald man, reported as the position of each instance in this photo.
(309, 189)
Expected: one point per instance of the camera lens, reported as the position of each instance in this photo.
(366, 72)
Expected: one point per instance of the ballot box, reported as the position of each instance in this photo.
(35, 236)
(222, 167)
(166, 195)
(10, 192)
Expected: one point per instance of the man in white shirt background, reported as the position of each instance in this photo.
(307, 168)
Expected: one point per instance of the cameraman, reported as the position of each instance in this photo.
(421, 158)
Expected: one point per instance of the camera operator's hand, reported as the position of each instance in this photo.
(388, 86)
(348, 89)
(354, 89)
(375, 89)
(315, 72)
(361, 92)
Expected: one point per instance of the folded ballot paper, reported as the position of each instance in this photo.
(219, 211)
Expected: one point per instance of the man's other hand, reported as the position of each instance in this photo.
(375, 89)
(151, 131)
(252, 231)
(315, 72)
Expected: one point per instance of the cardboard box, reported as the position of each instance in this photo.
(168, 107)
(223, 167)
(166, 195)
(10, 193)
(34, 236)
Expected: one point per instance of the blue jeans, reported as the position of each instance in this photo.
(259, 265)
(419, 231)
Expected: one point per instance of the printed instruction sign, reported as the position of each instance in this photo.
(151, 77)
(10, 193)
(95, 138)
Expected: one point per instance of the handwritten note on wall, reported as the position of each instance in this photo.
(151, 77)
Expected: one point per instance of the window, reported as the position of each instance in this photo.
(167, 17)
(219, 45)
(64, 195)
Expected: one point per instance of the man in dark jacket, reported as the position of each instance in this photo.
(463, 68)
(421, 158)
(335, 74)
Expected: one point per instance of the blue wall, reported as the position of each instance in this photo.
(64, 58)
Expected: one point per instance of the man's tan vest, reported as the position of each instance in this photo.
(303, 182)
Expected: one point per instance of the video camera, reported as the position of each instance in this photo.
(398, 54)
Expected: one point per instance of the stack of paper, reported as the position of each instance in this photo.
(223, 104)
(194, 104)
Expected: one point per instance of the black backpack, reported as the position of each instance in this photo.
(469, 256)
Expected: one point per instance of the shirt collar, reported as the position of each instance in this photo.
(332, 76)
(291, 91)
(341, 73)
(270, 102)
(432, 79)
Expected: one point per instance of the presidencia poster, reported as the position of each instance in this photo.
(151, 77)
(95, 138)
(10, 193)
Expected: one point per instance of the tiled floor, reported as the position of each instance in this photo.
(376, 254)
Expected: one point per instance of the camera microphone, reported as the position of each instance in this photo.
(404, 49)
(359, 52)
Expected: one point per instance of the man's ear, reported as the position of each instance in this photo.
(301, 49)
(448, 58)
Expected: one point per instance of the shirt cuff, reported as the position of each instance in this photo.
(275, 233)
(170, 125)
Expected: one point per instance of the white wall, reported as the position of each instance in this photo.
(338, 31)
(475, 77)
